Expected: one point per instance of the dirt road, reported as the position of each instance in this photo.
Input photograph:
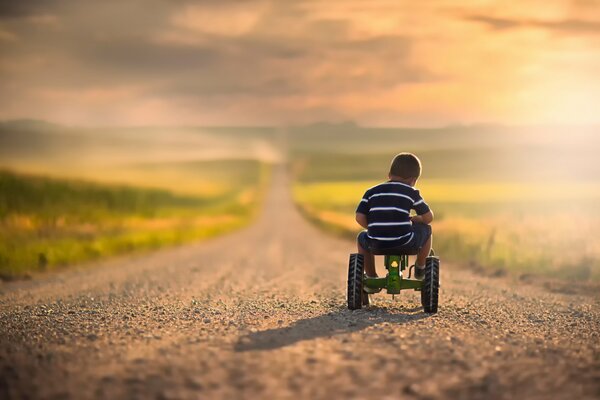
(261, 314)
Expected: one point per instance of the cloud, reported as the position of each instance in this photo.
(18, 9)
(186, 61)
(494, 22)
(227, 19)
(570, 26)
(259, 54)
(204, 62)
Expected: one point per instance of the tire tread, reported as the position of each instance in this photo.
(355, 281)
(431, 285)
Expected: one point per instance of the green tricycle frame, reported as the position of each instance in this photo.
(394, 281)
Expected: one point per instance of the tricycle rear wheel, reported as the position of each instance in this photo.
(356, 269)
(431, 285)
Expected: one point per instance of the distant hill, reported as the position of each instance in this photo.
(484, 150)
(29, 124)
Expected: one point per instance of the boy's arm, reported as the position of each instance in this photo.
(423, 218)
(362, 210)
(361, 219)
(424, 213)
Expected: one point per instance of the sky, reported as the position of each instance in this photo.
(252, 62)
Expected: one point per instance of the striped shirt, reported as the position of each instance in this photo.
(387, 207)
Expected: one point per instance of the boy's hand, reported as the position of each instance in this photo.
(423, 219)
(416, 218)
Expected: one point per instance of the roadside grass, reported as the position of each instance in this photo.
(504, 227)
(198, 178)
(48, 223)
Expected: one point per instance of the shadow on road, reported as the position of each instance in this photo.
(326, 325)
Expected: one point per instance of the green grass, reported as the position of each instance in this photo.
(196, 178)
(48, 223)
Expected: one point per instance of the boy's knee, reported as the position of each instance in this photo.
(423, 228)
(361, 240)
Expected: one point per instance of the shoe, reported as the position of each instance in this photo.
(419, 272)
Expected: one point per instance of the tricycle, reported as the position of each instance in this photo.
(360, 286)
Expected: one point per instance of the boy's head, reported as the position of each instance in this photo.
(405, 167)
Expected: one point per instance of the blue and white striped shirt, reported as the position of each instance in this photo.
(387, 207)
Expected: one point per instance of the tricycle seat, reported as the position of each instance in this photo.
(394, 251)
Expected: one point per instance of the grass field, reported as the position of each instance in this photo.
(47, 223)
(72, 194)
(508, 203)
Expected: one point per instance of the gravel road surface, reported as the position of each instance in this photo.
(261, 313)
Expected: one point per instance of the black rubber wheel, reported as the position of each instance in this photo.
(431, 285)
(356, 268)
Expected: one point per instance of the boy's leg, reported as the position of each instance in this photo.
(369, 260)
(425, 231)
(424, 252)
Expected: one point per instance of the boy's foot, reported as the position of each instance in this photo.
(419, 272)
(370, 290)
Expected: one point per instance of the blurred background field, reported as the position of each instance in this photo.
(68, 195)
(522, 201)
(507, 200)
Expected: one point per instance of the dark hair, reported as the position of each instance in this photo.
(406, 165)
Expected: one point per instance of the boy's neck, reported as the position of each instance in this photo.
(408, 181)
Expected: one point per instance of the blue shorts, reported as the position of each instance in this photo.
(422, 232)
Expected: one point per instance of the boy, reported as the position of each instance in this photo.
(385, 212)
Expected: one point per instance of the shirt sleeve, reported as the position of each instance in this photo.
(419, 205)
(363, 206)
